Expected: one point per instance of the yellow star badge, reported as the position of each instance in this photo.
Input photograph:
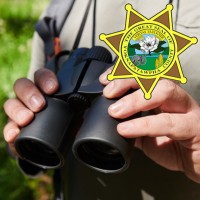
(148, 49)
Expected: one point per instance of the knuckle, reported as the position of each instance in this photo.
(136, 99)
(192, 128)
(169, 122)
(146, 123)
(169, 87)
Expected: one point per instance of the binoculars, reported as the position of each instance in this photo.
(77, 117)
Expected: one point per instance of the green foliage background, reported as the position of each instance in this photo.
(17, 20)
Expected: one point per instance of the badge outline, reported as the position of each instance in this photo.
(148, 89)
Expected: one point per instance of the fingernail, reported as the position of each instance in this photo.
(11, 134)
(50, 85)
(36, 101)
(116, 107)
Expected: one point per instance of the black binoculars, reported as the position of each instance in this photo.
(77, 117)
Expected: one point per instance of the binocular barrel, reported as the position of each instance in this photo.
(41, 142)
(97, 144)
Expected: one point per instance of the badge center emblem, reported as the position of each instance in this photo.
(148, 49)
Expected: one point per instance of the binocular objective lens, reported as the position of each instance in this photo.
(104, 149)
(100, 155)
(39, 148)
(38, 153)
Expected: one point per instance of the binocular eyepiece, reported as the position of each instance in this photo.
(76, 117)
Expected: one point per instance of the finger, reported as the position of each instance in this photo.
(119, 87)
(167, 96)
(17, 112)
(174, 126)
(29, 94)
(13, 150)
(11, 131)
(46, 80)
(104, 77)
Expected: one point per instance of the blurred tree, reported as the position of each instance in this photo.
(17, 20)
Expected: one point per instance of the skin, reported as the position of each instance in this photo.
(170, 137)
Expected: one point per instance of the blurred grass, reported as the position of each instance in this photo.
(17, 20)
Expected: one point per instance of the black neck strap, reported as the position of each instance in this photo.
(78, 37)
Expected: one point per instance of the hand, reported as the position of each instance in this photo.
(29, 99)
(171, 137)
